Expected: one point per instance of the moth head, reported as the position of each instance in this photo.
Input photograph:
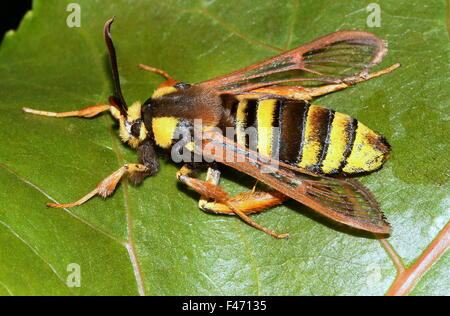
(132, 129)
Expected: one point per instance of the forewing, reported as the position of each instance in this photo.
(338, 57)
(345, 201)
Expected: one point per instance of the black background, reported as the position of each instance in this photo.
(11, 14)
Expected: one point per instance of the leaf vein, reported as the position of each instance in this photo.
(36, 252)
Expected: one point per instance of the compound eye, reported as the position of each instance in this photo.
(181, 85)
(136, 128)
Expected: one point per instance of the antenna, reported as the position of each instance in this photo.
(118, 97)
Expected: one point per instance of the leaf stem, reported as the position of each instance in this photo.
(408, 279)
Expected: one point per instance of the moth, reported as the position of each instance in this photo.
(301, 151)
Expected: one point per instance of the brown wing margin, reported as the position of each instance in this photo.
(342, 56)
(343, 200)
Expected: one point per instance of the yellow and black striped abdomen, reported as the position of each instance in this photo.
(311, 137)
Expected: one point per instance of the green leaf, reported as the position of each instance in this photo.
(152, 239)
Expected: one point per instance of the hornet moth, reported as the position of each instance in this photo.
(302, 151)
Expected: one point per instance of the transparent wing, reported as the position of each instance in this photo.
(337, 57)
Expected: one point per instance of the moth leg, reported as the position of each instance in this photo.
(247, 202)
(315, 92)
(90, 111)
(255, 186)
(213, 191)
(107, 186)
(156, 70)
(306, 94)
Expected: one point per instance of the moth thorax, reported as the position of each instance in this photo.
(163, 91)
